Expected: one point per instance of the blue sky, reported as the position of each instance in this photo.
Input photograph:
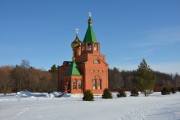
(41, 31)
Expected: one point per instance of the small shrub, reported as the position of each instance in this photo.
(88, 96)
(178, 89)
(165, 91)
(121, 93)
(134, 92)
(173, 90)
(107, 94)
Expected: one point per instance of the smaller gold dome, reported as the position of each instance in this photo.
(76, 43)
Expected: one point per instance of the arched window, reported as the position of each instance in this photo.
(96, 61)
(74, 84)
(67, 86)
(94, 84)
(79, 84)
(99, 84)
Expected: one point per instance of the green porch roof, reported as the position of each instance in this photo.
(73, 70)
(90, 36)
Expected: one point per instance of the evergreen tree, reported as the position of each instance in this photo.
(165, 91)
(121, 93)
(173, 90)
(107, 94)
(53, 69)
(178, 89)
(134, 92)
(88, 96)
(54, 82)
(145, 80)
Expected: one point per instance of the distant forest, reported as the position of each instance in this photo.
(124, 79)
(26, 77)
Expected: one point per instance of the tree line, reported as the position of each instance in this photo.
(128, 79)
(26, 77)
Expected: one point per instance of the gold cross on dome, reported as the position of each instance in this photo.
(77, 30)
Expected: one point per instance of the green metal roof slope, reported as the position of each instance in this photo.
(73, 70)
(90, 36)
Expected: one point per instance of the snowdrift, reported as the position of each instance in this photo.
(27, 94)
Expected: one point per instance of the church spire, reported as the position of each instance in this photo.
(90, 20)
(90, 36)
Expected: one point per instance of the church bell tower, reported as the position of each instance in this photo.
(90, 44)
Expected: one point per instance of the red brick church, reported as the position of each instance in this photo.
(88, 68)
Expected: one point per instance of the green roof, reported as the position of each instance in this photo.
(90, 36)
(73, 70)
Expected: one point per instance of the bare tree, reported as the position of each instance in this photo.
(5, 80)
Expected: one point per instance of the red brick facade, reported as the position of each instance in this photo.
(92, 67)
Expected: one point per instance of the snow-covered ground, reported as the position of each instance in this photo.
(45, 107)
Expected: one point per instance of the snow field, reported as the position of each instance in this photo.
(154, 107)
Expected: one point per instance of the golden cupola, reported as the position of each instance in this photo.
(76, 43)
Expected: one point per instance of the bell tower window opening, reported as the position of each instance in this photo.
(89, 47)
(74, 84)
(83, 48)
(95, 47)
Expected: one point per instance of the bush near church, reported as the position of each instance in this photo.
(121, 93)
(107, 94)
(165, 91)
(178, 89)
(88, 96)
(173, 90)
(134, 92)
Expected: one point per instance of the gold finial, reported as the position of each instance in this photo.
(90, 20)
